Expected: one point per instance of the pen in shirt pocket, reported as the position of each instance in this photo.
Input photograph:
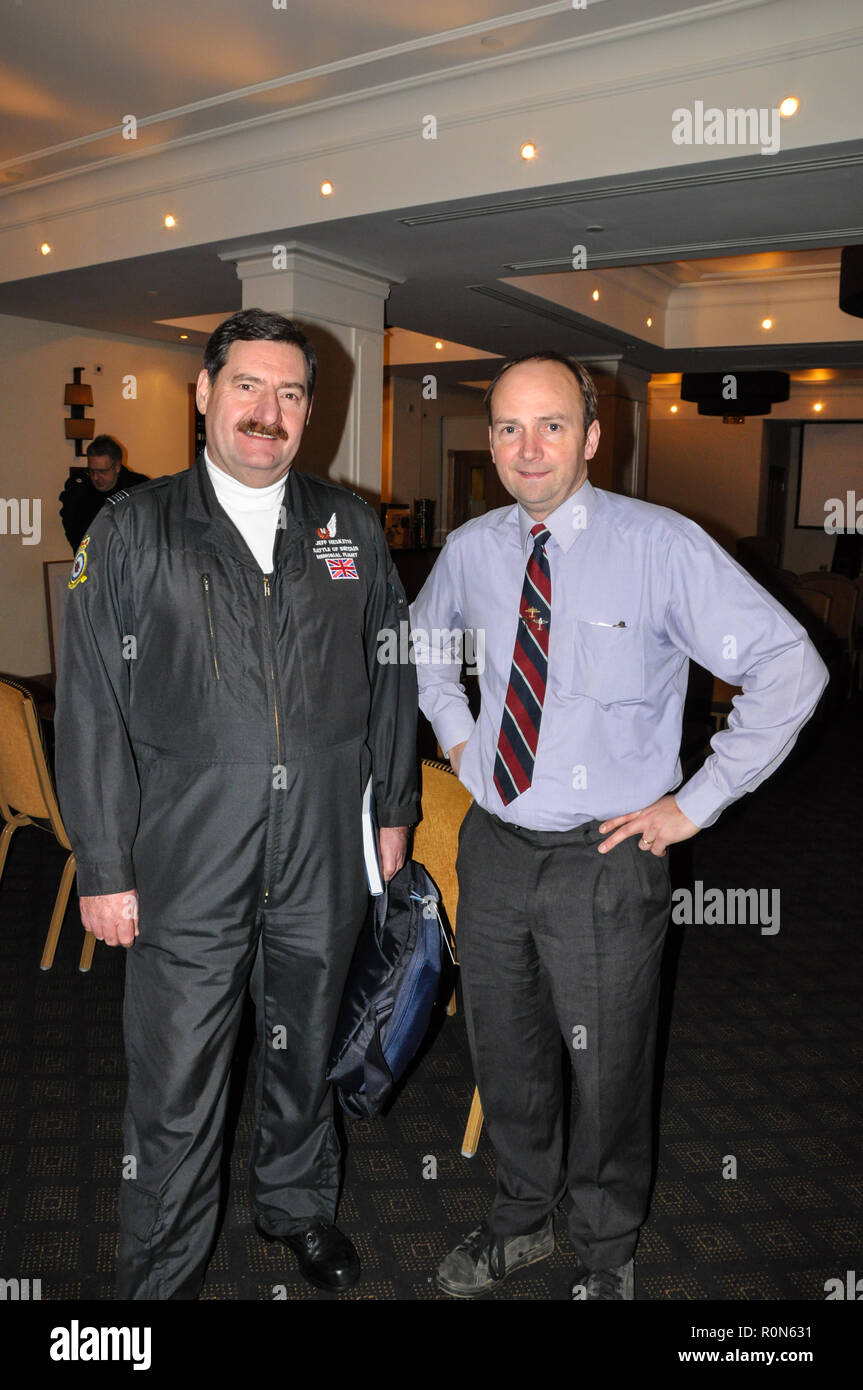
(592, 623)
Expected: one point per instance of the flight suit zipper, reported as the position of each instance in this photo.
(273, 681)
(205, 582)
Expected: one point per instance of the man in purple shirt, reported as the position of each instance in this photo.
(583, 609)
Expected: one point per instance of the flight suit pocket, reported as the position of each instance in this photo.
(606, 662)
(207, 590)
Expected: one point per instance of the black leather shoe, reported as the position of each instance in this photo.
(326, 1256)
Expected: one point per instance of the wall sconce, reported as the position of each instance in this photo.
(78, 395)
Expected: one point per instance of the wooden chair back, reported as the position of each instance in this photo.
(26, 790)
(445, 803)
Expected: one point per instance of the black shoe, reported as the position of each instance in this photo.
(326, 1256)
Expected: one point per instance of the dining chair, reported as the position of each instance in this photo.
(27, 797)
(445, 803)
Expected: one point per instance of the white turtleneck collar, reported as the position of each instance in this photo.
(253, 510)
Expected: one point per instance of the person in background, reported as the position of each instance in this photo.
(84, 496)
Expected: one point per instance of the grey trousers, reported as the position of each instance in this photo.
(558, 941)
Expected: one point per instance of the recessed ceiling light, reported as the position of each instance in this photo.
(183, 337)
(595, 295)
(674, 409)
(649, 322)
(46, 248)
(595, 228)
(439, 345)
(789, 107)
(818, 406)
(170, 220)
(766, 323)
(326, 188)
(528, 150)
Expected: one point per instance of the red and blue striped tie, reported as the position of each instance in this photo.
(522, 711)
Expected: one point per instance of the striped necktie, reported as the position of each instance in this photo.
(522, 712)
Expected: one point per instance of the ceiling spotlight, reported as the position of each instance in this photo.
(528, 150)
(674, 409)
(439, 345)
(595, 296)
(766, 323)
(649, 322)
(789, 106)
(818, 407)
(170, 220)
(326, 188)
(46, 248)
(183, 337)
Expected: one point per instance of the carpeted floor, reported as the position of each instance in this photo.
(760, 1063)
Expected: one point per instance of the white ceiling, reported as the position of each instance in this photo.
(487, 271)
(71, 73)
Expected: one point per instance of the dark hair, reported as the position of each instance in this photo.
(581, 374)
(255, 325)
(103, 446)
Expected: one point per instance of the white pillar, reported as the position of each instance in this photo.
(340, 306)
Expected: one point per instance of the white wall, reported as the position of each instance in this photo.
(36, 360)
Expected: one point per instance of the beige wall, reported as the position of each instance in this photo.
(36, 360)
(712, 472)
(706, 470)
(417, 438)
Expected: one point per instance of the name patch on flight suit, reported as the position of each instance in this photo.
(338, 553)
(79, 565)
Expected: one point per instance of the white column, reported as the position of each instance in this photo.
(340, 306)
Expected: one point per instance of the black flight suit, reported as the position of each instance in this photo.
(215, 731)
(81, 502)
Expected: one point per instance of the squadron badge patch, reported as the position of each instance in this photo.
(339, 553)
(79, 565)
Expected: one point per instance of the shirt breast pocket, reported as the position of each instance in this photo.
(606, 663)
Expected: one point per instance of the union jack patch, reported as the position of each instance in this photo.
(341, 569)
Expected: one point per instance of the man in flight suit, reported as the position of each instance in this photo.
(220, 711)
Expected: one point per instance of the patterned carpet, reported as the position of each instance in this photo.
(760, 1062)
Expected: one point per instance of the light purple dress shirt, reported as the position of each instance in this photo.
(636, 590)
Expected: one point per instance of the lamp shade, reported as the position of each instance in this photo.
(80, 429)
(78, 393)
(735, 393)
(851, 281)
(750, 405)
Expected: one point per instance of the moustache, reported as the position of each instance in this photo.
(254, 426)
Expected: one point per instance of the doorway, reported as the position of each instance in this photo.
(475, 487)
